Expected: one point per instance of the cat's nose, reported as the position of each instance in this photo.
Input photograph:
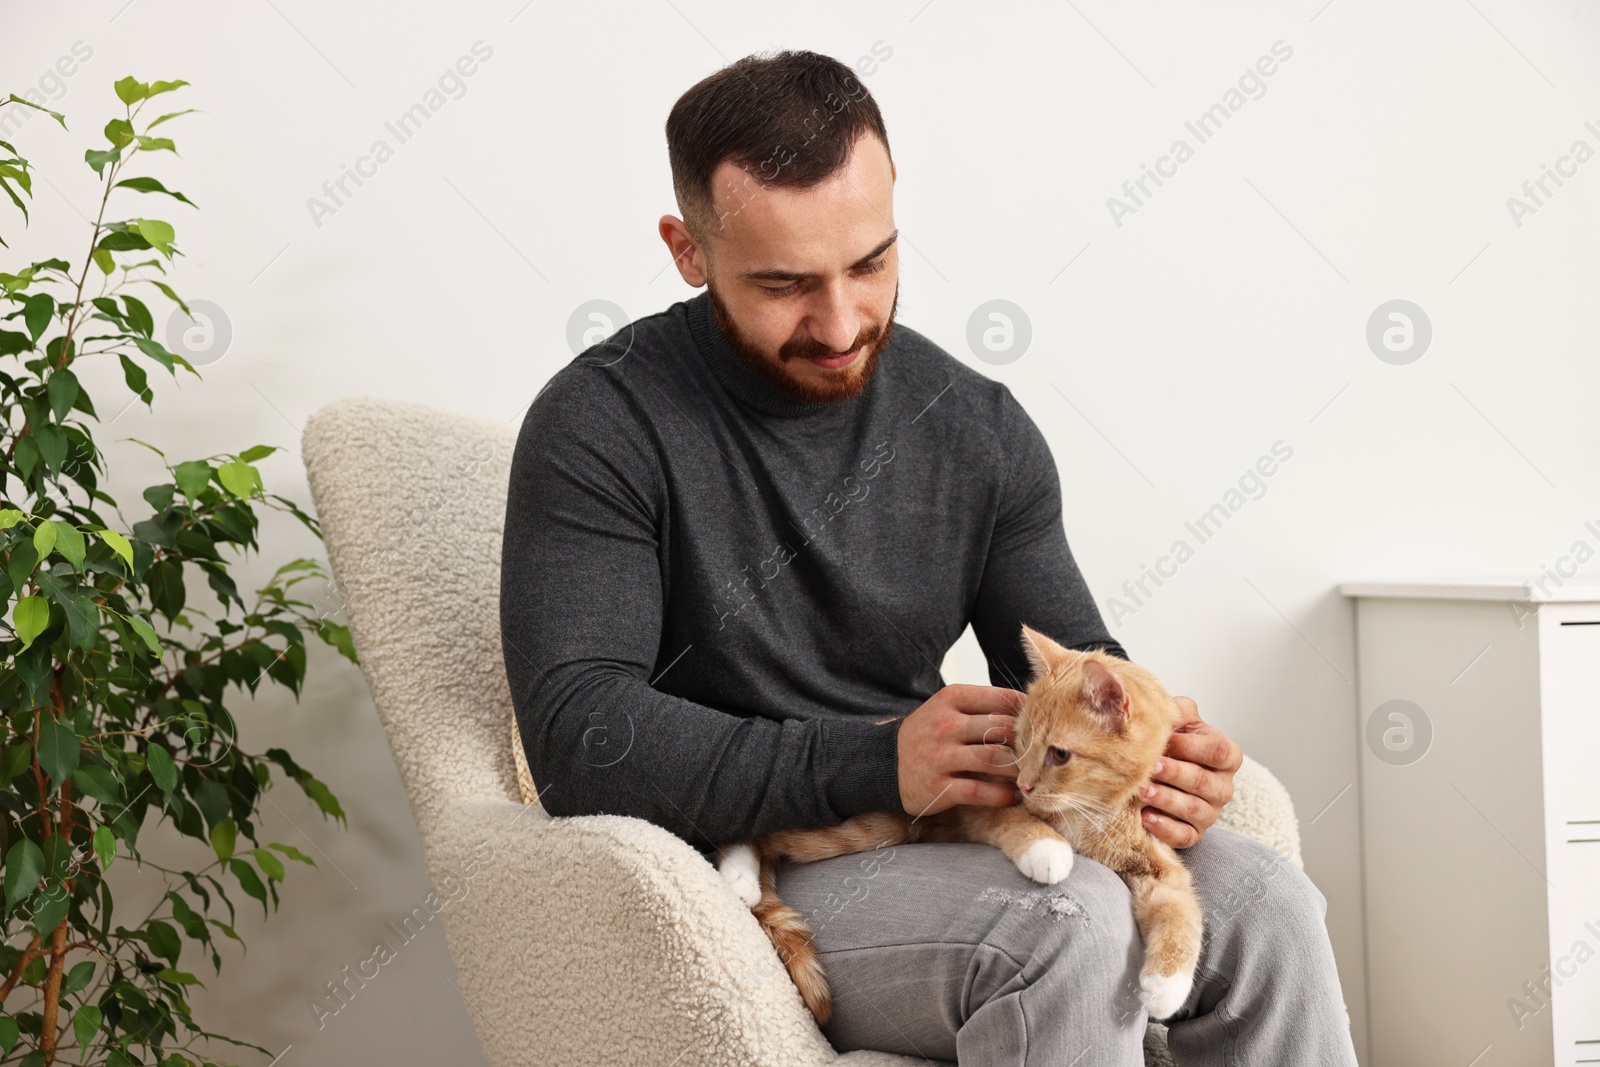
(1025, 788)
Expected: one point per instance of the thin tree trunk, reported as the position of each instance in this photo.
(52, 993)
(22, 965)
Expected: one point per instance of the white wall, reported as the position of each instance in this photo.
(1169, 351)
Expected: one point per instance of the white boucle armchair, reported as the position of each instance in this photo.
(585, 941)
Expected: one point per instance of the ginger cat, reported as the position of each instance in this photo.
(1088, 736)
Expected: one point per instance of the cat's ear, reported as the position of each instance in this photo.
(1043, 653)
(1104, 693)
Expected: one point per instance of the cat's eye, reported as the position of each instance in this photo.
(1056, 756)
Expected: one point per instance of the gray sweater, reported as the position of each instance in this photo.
(711, 591)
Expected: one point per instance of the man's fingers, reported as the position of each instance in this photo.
(1180, 805)
(1208, 747)
(986, 794)
(988, 759)
(983, 699)
(1192, 778)
(1174, 832)
(992, 729)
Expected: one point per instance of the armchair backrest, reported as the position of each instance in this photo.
(412, 504)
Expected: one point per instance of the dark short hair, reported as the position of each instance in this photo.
(789, 119)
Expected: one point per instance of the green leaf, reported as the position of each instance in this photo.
(240, 479)
(162, 770)
(255, 452)
(103, 260)
(155, 351)
(223, 836)
(249, 881)
(83, 617)
(86, 1024)
(93, 780)
(15, 99)
(157, 88)
(192, 477)
(9, 1032)
(339, 637)
(119, 132)
(49, 906)
(152, 448)
(146, 633)
(24, 867)
(118, 544)
(158, 233)
(321, 794)
(131, 90)
(69, 542)
(270, 864)
(80, 975)
(105, 846)
(170, 115)
(139, 315)
(63, 391)
(98, 159)
(30, 618)
(52, 447)
(9, 517)
(292, 852)
(156, 144)
(225, 928)
(163, 940)
(23, 560)
(150, 185)
(44, 539)
(58, 750)
(167, 974)
(136, 378)
(164, 583)
(36, 313)
(18, 758)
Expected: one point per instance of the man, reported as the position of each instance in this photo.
(742, 533)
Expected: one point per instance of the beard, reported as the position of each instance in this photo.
(841, 384)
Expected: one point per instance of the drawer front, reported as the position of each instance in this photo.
(1572, 717)
(1575, 957)
(1570, 647)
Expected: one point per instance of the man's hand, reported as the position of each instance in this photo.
(953, 744)
(1199, 762)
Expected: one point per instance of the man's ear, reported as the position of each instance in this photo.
(686, 255)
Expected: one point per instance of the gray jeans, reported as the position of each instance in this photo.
(949, 953)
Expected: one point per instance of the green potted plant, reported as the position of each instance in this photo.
(116, 664)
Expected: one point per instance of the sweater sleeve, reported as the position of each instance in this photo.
(581, 610)
(1030, 575)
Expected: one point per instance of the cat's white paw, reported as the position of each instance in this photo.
(1046, 860)
(742, 870)
(1162, 995)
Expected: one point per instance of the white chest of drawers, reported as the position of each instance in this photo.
(1479, 725)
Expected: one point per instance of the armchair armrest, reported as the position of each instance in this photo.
(1262, 809)
(604, 939)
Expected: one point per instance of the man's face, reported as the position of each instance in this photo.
(804, 282)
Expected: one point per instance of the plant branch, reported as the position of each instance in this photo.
(22, 964)
(52, 994)
(94, 238)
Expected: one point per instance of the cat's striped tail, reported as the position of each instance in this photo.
(785, 927)
(790, 935)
